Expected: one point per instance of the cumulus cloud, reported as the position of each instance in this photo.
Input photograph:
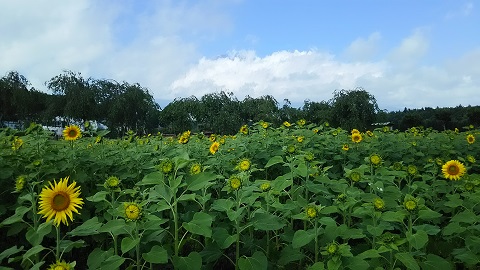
(410, 50)
(363, 49)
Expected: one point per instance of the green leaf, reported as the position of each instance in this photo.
(429, 229)
(368, 254)
(317, 266)
(267, 222)
(112, 263)
(186, 197)
(89, 227)
(301, 170)
(34, 250)
(17, 217)
(428, 214)
(9, 252)
(164, 192)
(257, 262)
(116, 226)
(466, 216)
(99, 196)
(407, 260)
(418, 240)
(68, 245)
(290, 254)
(301, 238)
(154, 178)
(467, 256)
(157, 254)
(391, 216)
(222, 238)
(274, 160)
(211, 253)
(453, 228)
(222, 205)
(36, 237)
(200, 181)
(281, 183)
(375, 231)
(192, 262)
(201, 224)
(128, 243)
(434, 262)
(356, 263)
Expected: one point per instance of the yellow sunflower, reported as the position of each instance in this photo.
(20, 183)
(235, 182)
(244, 129)
(470, 138)
(17, 143)
(301, 122)
(355, 131)
(410, 204)
(345, 147)
(214, 147)
(60, 265)
(287, 124)
(264, 124)
(244, 164)
(453, 170)
(300, 139)
(375, 159)
(265, 186)
(196, 168)
(356, 137)
(132, 211)
(59, 201)
(71, 133)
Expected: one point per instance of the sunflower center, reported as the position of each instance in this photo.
(60, 201)
(453, 170)
(72, 133)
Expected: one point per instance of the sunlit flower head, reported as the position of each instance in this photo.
(244, 164)
(212, 137)
(355, 131)
(20, 183)
(72, 133)
(315, 130)
(356, 137)
(471, 159)
(287, 124)
(244, 129)
(378, 204)
(59, 201)
(264, 124)
(369, 133)
(470, 139)
(17, 143)
(439, 161)
(265, 186)
(234, 182)
(375, 159)
(311, 211)
(132, 211)
(453, 170)
(301, 122)
(345, 147)
(300, 139)
(60, 265)
(196, 168)
(214, 147)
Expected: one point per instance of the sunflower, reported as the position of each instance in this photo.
(379, 204)
(453, 170)
(132, 211)
(300, 139)
(71, 133)
(332, 248)
(244, 129)
(315, 130)
(196, 168)
(265, 186)
(183, 139)
(355, 131)
(369, 133)
(244, 164)
(287, 124)
(59, 201)
(301, 122)
(311, 211)
(214, 147)
(355, 176)
(375, 159)
(410, 204)
(212, 138)
(60, 265)
(471, 159)
(264, 124)
(20, 183)
(470, 138)
(17, 143)
(345, 147)
(112, 183)
(412, 169)
(166, 166)
(235, 182)
(356, 137)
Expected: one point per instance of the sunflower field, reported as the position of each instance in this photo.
(298, 196)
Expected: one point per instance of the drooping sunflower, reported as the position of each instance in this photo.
(470, 139)
(17, 143)
(356, 137)
(59, 201)
(132, 211)
(214, 147)
(453, 170)
(60, 265)
(369, 133)
(20, 183)
(71, 133)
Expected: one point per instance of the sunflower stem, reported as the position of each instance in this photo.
(57, 250)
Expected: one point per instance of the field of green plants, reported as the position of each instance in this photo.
(298, 196)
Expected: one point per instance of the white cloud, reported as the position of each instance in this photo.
(464, 11)
(410, 50)
(363, 49)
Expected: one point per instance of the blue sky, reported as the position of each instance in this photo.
(406, 53)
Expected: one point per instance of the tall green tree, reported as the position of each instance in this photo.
(353, 109)
(180, 115)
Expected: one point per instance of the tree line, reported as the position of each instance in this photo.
(125, 106)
